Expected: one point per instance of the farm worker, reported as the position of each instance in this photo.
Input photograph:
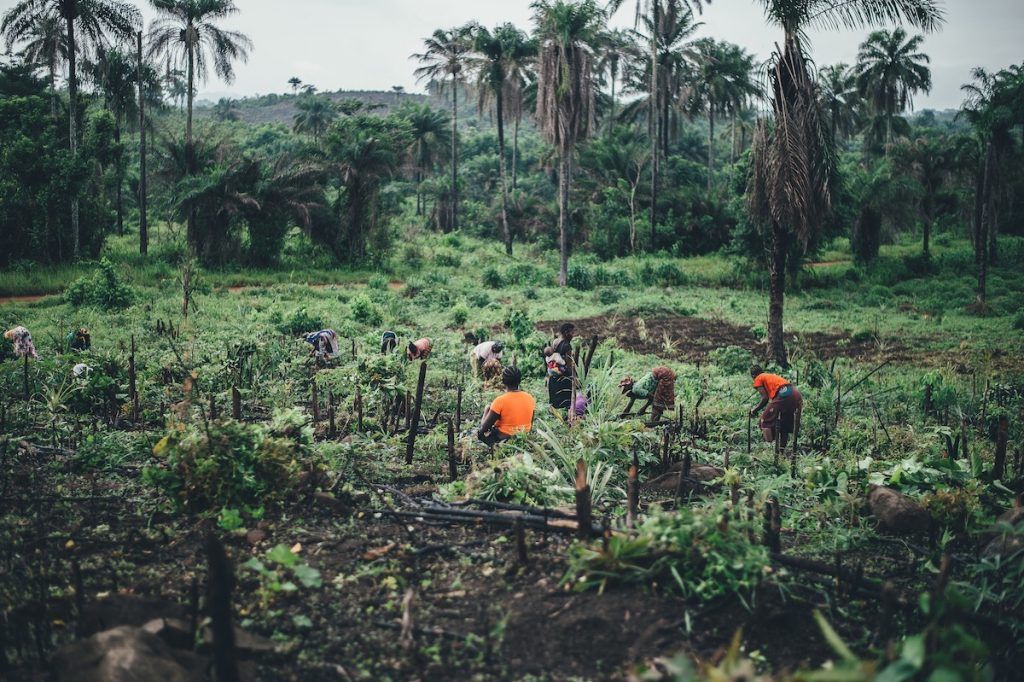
(491, 370)
(388, 341)
(324, 343)
(21, 339)
(510, 413)
(554, 361)
(580, 407)
(482, 352)
(80, 369)
(658, 386)
(560, 386)
(79, 339)
(783, 401)
(419, 349)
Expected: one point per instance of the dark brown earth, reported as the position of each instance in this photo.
(693, 338)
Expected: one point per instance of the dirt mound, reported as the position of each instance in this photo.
(693, 338)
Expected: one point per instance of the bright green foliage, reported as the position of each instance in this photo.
(701, 552)
(230, 463)
(364, 311)
(301, 321)
(103, 289)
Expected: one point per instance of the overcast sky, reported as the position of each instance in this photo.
(365, 44)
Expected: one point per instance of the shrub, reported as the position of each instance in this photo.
(608, 295)
(232, 463)
(377, 283)
(300, 321)
(364, 311)
(412, 256)
(732, 359)
(447, 259)
(669, 274)
(460, 313)
(580, 277)
(519, 323)
(102, 289)
(1018, 321)
(478, 299)
(491, 277)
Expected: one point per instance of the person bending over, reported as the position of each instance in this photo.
(783, 402)
(658, 386)
(483, 352)
(419, 349)
(510, 413)
(323, 344)
(388, 341)
(79, 339)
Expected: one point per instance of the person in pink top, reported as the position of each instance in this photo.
(419, 349)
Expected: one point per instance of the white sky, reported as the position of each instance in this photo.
(365, 44)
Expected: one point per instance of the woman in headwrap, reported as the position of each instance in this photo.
(658, 386)
(21, 339)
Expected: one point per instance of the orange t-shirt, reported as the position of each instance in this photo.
(514, 410)
(770, 382)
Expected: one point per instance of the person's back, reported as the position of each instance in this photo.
(515, 412)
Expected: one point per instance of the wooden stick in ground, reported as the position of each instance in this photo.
(213, 407)
(632, 492)
(590, 356)
(583, 517)
(453, 465)
(771, 527)
(331, 425)
(221, 584)
(359, 409)
(236, 404)
(999, 463)
(133, 394)
(414, 422)
(520, 533)
(458, 407)
(314, 398)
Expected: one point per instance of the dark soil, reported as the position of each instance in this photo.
(692, 339)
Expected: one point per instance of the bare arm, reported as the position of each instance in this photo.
(764, 400)
(489, 420)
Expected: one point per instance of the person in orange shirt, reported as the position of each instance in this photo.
(783, 402)
(510, 413)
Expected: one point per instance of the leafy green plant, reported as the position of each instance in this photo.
(103, 289)
(280, 570)
(230, 519)
(364, 311)
(580, 277)
(300, 321)
(229, 463)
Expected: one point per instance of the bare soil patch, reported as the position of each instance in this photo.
(692, 339)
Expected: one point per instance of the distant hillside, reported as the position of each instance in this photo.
(276, 108)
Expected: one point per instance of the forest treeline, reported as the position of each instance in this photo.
(568, 133)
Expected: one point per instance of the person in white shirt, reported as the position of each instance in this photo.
(488, 350)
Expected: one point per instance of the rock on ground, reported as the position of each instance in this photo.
(896, 512)
(125, 654)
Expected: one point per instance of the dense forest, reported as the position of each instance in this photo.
(687, 204)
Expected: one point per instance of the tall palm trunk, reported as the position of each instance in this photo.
(653, 120)
(52, 66)
(72, 11)
(981, 240)
(190, 152)
(143, 226)
(515, 150)
(454, 222)
(119, 176)
(611, 115)
(563, 216)
(776, 296)
(711, 143)
(500, 113)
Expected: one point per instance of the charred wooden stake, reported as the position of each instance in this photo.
(927, 400)
(664, 450)
(453, 466)
(353, 348)
(332, 431)
(520, 532)
(415, 421)
(583, 519)
(314, 399)
(359, 409)
(999, 465)
(632, 492)
(405, 409)
(213, 408)
(590, 356)
(218, 596)
(133, 394)
(458, 407)
(771, 527)
(236, 404)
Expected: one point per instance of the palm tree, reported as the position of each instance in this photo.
(430, 133)
(930, 160)
(567, 32)
(445, 57)
(117, 74)
(226, 109)
(839, 99)
(618, 47)
(188, 33)
(315, 115)
(793, 170)
(890, 69)
(45, 44)
(617, 159)
(96, 21)
(295, 82)
(994, 106)
(495, 59)
(723, 84)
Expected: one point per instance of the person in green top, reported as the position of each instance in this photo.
(79, 339)
(658, 386)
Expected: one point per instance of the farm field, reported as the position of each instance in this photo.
(350, 562)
